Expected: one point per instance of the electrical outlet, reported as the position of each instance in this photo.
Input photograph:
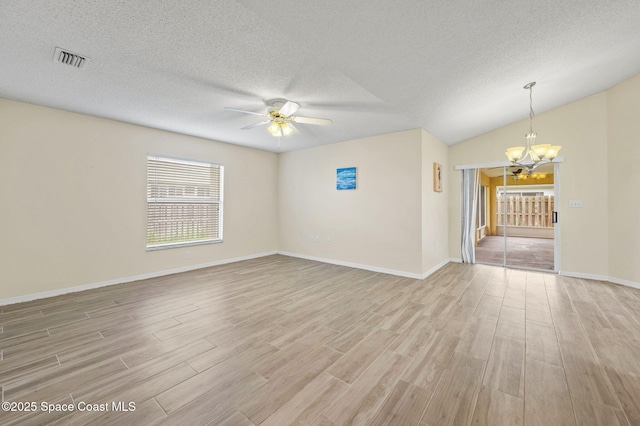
(188, 255)
(329, 241)
(575, 204)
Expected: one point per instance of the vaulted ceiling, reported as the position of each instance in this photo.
(455, 68)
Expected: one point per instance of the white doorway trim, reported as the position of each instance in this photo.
(559, 159)
(557, 207)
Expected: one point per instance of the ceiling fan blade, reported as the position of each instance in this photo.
(251, 126)
(295, 131)
(288, 108)
(311, 120)
(245, 112)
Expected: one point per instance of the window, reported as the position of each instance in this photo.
(184, 202)
(482, 206)
(520, 193)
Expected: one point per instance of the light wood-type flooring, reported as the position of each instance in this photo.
(521, 252)
(279, 340)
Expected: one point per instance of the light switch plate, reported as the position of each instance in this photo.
(575, 204)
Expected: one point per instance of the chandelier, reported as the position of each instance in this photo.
(533, 155)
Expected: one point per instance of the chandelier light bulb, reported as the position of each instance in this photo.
(286, 129)
(275, 129)
(553, 152)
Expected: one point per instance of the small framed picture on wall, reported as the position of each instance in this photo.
(346, 178)
(437, 177)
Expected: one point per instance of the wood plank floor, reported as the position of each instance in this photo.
(521, 252)
(278, 341)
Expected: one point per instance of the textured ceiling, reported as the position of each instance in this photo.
(454, 68)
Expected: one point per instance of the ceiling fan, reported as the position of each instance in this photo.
(280, 118)
(523, 173)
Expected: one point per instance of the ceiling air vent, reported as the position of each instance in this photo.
(68, 58)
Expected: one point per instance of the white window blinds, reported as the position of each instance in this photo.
(184, 202)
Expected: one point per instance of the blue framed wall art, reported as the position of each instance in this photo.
(346, 178)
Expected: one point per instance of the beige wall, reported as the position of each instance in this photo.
(74, 203)
(599, 135)
(435, 205)
(581, 128)
(73, 195)
(378, 224)
(624, 180)
(385, 222)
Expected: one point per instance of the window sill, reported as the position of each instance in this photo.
(178, 245)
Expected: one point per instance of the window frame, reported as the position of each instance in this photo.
(482, 207)
(219, 202)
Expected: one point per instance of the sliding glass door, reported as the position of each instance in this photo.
(518, 228)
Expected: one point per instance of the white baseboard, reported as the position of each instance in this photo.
(585, 276)
(59, 292)
(435, 268)
(624, 282)
(42, 295)
(368, 267)
(613, 280)
(353, 265)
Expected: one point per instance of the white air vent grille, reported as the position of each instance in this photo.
(68, 58)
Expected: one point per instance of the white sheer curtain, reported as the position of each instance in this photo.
(470, 184)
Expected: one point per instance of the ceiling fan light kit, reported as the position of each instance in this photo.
(280, 129)
(532, 156)
(280, 118)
